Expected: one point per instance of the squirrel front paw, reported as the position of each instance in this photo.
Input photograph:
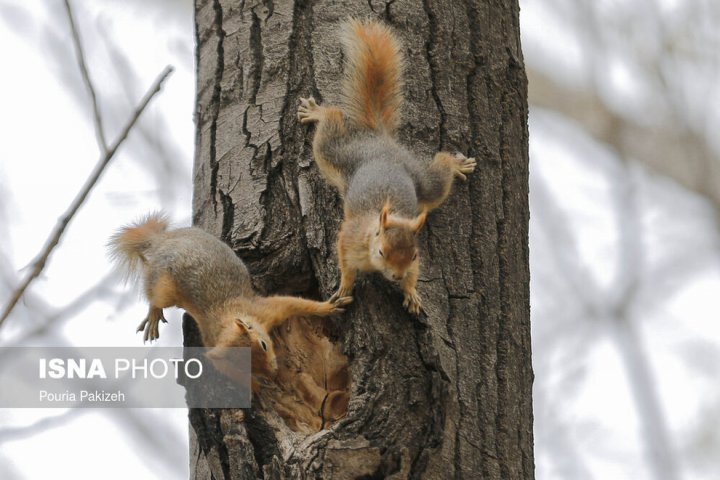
(412, 302)
(309, 111)
(464, 165)
(343, 292)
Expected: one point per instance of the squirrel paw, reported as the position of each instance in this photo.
(339, 303)
(151, 325)
(343, 292)
(464, 165)
(412, 302)
(309, 111)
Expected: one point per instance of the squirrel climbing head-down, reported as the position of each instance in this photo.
(191, 269)
(356, 149)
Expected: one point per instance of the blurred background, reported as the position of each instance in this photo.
(624, 234)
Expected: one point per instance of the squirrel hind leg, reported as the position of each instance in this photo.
(330, 131)
(444, 167)
(463, 165)
(161, 292)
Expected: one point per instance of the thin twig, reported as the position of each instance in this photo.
(99, 130)
(54, 238)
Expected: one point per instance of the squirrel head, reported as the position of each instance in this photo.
(243, 332)
(393, 248)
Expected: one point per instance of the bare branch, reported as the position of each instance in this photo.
(54, 320)
(54, 238)
(646, 397)
(99, 131)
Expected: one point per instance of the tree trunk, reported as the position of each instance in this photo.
(446, 395)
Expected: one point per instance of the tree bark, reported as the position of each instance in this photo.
(446, 395)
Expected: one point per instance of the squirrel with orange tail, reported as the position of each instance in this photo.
(387, 191)
(193, 270)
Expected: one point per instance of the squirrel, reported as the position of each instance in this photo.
(191, 269)
(387, 191)
(313, 376)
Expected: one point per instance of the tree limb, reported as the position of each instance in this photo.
(54, 238)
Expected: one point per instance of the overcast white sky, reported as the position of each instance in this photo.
(47, 151)
(49, 146)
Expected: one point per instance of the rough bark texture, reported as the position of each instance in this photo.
(444, 396)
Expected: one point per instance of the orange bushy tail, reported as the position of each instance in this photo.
(372, 86)
(128, 245)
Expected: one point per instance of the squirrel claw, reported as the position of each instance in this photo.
(464, 165)
(337, 303)
(342, 301)
(308, 102)
(141, 327)
(340, 294)
(412, 302)
(150, 325)
(308, 111)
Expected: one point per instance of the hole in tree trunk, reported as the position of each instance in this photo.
(312, 387)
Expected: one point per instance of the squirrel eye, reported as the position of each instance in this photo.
(377, 234)
(415, 257)
(381, 253)
(263, 345)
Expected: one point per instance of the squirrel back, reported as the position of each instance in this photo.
(383, 171)
(372, 86)
(205, 271)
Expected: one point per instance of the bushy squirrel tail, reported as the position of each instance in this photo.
(128, 245)
(372, 85)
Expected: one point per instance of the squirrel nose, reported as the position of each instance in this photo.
(397, 276)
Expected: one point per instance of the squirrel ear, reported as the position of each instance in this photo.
(384, 215)
(242, 325)
(419, 221)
